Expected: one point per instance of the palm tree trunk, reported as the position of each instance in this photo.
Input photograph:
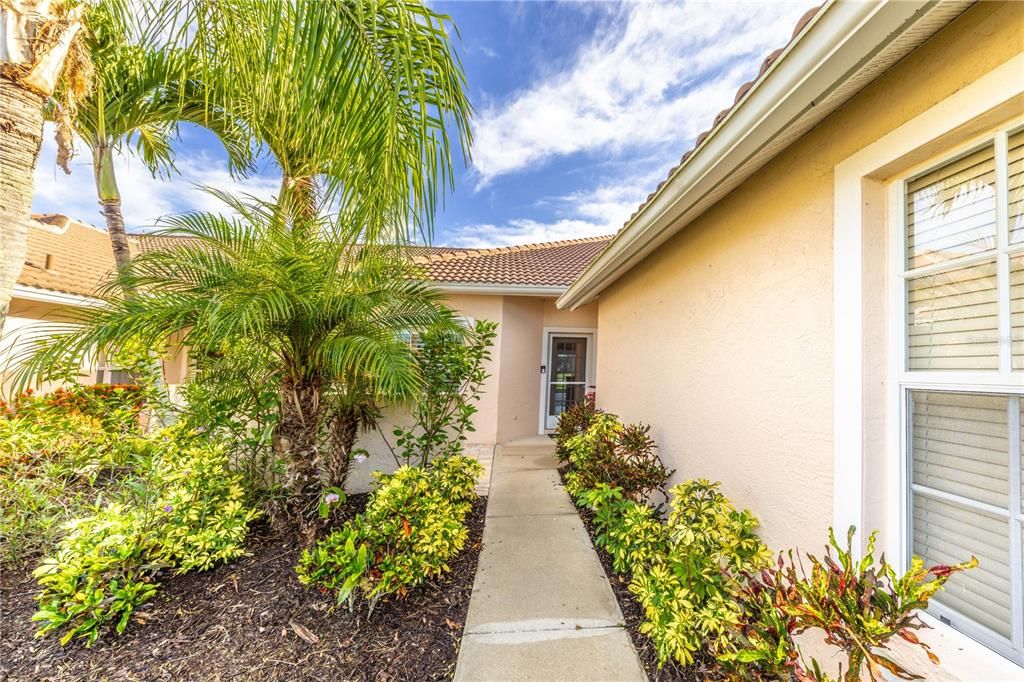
(343, 436)
(21, 135)
(110, 206)
(295, 438)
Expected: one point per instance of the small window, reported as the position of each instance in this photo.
(108, 372)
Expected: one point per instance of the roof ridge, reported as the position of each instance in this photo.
(514, 248)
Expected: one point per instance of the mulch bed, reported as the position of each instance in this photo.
(252, 620)
(633, 615)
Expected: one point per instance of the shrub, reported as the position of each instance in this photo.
(688, 595)
(620, 456)
(453, 372)
(574, 421)
(708, 587)
(859, 605)
(118, 406)
(183, 511)
(53, 464)
(413, 525)
(629, 531)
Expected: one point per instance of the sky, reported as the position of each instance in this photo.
(580, 109)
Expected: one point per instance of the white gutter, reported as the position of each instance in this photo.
(57, 297)
(501, 289)
(844, 47)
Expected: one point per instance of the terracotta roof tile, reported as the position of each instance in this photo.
(546, 264)
(722, 115)
(67, 256)
(71, 257)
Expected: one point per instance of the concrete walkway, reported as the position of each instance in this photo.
(541, 608)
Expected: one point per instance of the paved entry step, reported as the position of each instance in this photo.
(542, 608)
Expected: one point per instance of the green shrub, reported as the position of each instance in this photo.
(453, 368)
(412, 527)
(53, 464)
(629, 531)
(617, 455)
(708, 588)
(572, 422)
(688, 595)
(183, 511)
(99, 576)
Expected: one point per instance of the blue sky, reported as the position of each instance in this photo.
(581, 109)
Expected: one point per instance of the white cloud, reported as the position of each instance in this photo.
(144, 198)
(654, 74)
(599, 211)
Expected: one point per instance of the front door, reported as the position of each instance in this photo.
(566, 375)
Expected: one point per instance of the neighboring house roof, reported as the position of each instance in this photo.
(834, 52)
(71, 257)
(66, 256)
(550, 264)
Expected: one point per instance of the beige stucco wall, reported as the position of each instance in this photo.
(521, 348)
(722, 339)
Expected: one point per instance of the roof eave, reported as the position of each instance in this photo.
(549, 291)
(844, 47)
(40, 295)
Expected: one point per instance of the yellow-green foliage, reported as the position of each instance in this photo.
(629, 531)
(52, 466)
(412, 527)
(688, 595)
(183, 510)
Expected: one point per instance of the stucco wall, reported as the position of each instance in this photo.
(722, 339)
(522, 338)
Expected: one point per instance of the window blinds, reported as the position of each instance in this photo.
(953, 314)
(951, 210)
(959, 461)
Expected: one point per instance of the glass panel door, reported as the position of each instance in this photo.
(567, 375)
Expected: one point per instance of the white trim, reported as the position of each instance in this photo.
(501, 289)
(591, 334)
(843, 47)
(48, 296)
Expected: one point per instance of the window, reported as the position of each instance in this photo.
(107, 372)
(961, 255)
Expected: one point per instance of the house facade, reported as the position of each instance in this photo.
(543, 359)
(823, 304)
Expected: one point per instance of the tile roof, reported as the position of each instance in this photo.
(66, 256)
(545, 264)
(71, 257)
(724, 113)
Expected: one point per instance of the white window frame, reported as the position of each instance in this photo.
(1002, 381)
(859, 181)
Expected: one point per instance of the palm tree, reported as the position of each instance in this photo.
(36, 37)
(324, 311)
(354, 100)
(137, 103)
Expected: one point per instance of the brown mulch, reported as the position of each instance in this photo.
(633, 615)
(252, 620)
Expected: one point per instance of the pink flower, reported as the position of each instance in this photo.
(360, 458)
(331, 498)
